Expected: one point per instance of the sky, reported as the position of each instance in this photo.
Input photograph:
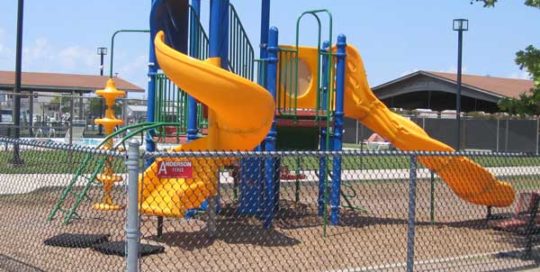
(394, 37)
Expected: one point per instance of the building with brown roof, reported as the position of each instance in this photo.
(62, 83)
(437, 91)
(39, 89)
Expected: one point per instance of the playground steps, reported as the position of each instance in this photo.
(73, 198)
(173, 197)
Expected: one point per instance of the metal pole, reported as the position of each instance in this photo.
(506, 134)
(356, 123)
(323, 160)
(432, 198)
(192, 126)
(101, 52)
(31, 113)
(219, 10)
(265, 25)
(537, 136)
(16, 160)
(412, 215)
(151, 91)
(125, 31)
(71, 115)
(133, 223)
(102, 58)
(497, 136)
(458, 95)
(338, 130)
(81, 106)
(270, 142)
(531, 225)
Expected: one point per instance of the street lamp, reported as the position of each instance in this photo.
(459, 25)
(101, 51)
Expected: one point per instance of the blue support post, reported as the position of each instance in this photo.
(216, 28)
(265, 26)
(151, 103)
(338, 129)
(271, 187)
(192, 129)
(218, 39)
(323, 161)
(219, 31)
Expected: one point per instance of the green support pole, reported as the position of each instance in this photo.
(112, 43)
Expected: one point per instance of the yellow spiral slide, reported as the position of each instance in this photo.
(466, 178)
(240, 116)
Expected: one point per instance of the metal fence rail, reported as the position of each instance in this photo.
(393, 214)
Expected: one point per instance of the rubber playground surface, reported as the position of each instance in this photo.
(458, 240)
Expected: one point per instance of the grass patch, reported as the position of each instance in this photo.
(63, 162)
(54, 162)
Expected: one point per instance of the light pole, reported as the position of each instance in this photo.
(16, 160)
(101, 51)
(459, 25)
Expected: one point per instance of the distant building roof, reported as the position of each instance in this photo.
(508, 87)
(56, 82)
(437, 91)
(495, 86)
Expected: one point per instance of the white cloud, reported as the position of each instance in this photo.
(77, 58)
(40, 49)
(6, 55)
(134, 70)
(2, 34)
(40, 55)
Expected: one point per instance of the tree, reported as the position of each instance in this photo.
(95, 107)
(491, 3)
(527, 103)
(63, 103)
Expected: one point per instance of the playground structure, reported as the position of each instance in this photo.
(109, 122)
(209, 97)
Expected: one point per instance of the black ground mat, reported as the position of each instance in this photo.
(119, 248)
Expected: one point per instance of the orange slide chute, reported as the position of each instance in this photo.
(467, 179)
(240, 116)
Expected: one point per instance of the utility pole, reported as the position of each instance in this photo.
(16, 160)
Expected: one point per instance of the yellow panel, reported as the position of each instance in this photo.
(307, 78)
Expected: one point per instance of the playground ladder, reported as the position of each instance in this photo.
(70, 212)
(346, 191)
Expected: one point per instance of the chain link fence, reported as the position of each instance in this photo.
(49, 214)
(253, 211)
(497, 135)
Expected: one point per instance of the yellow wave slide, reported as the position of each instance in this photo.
(466, 178)
(240, 116)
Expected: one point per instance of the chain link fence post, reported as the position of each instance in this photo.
(132, 221)
(412, 214)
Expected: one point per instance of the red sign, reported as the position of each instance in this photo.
(175, 169)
